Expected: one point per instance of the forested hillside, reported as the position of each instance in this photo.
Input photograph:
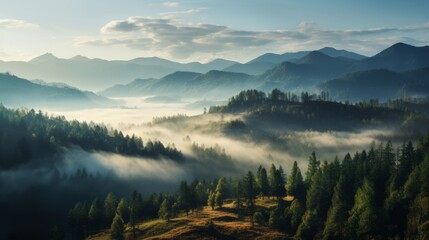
(315, 111)
(28, 136)
(377, 193)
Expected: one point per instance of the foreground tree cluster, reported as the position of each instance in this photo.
(375, 194)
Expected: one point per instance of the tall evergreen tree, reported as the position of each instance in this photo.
(313, 166)
(211, 201)
(363, 218)
(184, 198)
(280, 182)
(165, 210)
(110, 205)
(295, 185)
(337, 214)
(96, 214)
(263, 183)
(249, 187)
(272, 180)
(117, 228)
(220, 192)
(123, 210)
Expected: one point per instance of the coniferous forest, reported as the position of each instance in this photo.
(214, 120)
(376, 193)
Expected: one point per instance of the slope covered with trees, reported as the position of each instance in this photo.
(312, 111)
(28, 136)
(377, 193)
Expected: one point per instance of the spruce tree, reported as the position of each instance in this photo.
(165, 210)
(96, 214)
(123, 210)
(313, 166)
(211, 199)
(110, 205)
(117, 228)
(249, 187)
(220, 192)
(362, 220)
(337, 214)
(295, 185)
(263, 183)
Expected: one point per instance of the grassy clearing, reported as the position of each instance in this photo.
(226, 226)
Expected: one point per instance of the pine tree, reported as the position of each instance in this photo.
(337, 214)
(220, 192)
(311, 224)
(117, 228)
(249, 188)
(165, 210)
(362, 220)
(313, 166)
(280, 181)
(95, 214)
(211, 200)
(295, 185)
(110, 205)
(123, 210)
(263, 183)
(184, 198)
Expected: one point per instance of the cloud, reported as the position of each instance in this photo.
(15, 23)
(181, 40)
(171, 4)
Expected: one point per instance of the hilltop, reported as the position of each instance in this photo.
(194, 226)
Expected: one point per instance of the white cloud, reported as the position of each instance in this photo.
(177, 39)
(16, 23)
(171, 4)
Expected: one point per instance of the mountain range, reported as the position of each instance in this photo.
(96, 74)
(213, 85)
(401, 68)
(268, 61)
(398, 70)
(18, 92)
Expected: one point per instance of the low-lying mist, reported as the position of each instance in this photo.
(38, 195)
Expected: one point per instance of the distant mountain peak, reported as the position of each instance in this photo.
(314, 57)
(401, 49)
(333, 52)
(79, 58)
(401, 45)
(43, 58)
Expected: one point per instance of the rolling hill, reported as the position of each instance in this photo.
(213, 84)
(18, 92)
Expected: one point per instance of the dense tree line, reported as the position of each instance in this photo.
(375, 194)
(26, 135)
(320, 112)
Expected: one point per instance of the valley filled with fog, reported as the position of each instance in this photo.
(64, 146)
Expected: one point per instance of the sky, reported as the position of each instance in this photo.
(203, 30)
